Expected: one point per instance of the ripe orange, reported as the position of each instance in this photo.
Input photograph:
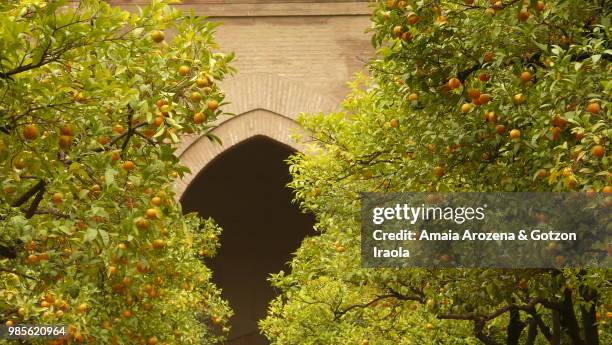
(525, 76)
(202, 82)
(607, 189)
(523, 15)
(483, 77)
(196, 96)
(542, 173)
(515, 134)
(413, 19)
(158, 121)
(500, 129)
(466, 107)
(142, 223)
(438, 171)
(489, 56)
(397, 31)
(65, 141)
(9, 323)
(57, 198)
(158, 244)
(66, 130)
(559, 121)
(151, 213)
(156, 201)
(484, 98)
(157, 36)
(184, 70)
(128, 165)
(413, 97)
(540, 6)
(112, 270)
(473, 93)
(518, 99)
(126, 313)
(199, 117)
(490, 116)
(103, 140)
(593, 108)
(454, 83)
(152, 341)
(30, 132)
(598, 151)
(212, 105)
(115, 155)
(82, 308)
(118, 129)
(394, 123)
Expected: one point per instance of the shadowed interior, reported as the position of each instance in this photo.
(244, 190)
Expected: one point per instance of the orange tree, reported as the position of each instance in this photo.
(463, 96)
(93, 101)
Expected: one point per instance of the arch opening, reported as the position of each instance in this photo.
(244, 190)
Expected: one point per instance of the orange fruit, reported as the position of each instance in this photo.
(65, 141)
(438, 171)
(394, 123)
(103, 140)
(465, 107)
(202, 82)
(157, 244)
(515, 134)
(128, 165)
(156, 201)
(118, 129)
(397, 30)
(212, 105)
(82, 308)
(593, 108)
(199, 118)
(151, 213)
(57, 198)
(607, 189)
(483, 77)
(454, 83)
(66, 130)
(157, 36)
(413, 97)
(523, 15)
(484, 98)
(126, 313)
(525, 76)
(413, 19)
(473, 93)
(196, 96)
(489, 56)
(598, 151)
(518, 99)
(158, 121)
(184, 70)
(30, 132)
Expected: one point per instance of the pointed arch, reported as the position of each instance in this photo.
(265, 105)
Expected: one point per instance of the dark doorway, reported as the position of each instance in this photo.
(245, 191)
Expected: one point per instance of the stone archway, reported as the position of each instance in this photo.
(263, 104)
(242, 185)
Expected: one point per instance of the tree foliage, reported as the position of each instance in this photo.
(462, 96)
(93, 101)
